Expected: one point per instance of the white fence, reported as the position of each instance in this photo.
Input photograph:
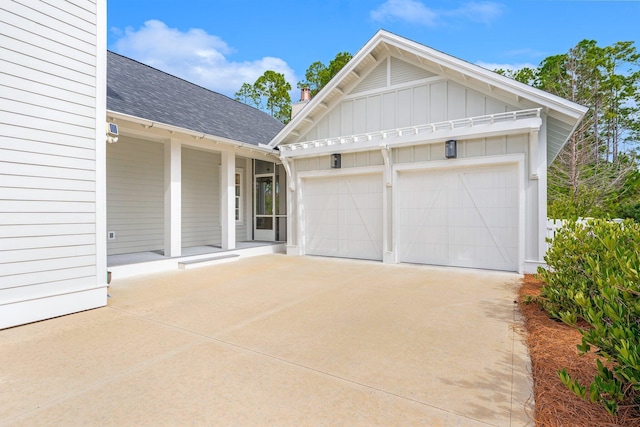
(553, 225)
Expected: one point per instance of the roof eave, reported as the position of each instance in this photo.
(196, 135)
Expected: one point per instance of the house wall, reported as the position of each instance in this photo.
(394, 99)
(200, 198)
(52, 80)
(467, 149)
(494, 146)
(135, 195)
(396, 94)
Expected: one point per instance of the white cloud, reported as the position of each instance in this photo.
(511, 67)
(196, 56)
(405, 10)
(484, 12)
(416, 12)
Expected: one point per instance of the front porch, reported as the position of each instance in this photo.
(173, 198)
(132, 264)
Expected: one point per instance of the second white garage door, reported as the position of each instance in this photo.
(343, 216)
(466, 217)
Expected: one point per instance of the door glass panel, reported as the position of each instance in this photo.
(281, 193)
(264, 223)
(264, 195)
(262, 167)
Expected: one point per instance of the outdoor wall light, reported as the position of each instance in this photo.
(336, 161)
(451, 149)
(112, 133)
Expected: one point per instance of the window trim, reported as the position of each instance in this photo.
(239, 196)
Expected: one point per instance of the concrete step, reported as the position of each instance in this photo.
(208, 261)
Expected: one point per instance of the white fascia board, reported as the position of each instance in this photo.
(197, 135)
(472, 132)
(333, 83)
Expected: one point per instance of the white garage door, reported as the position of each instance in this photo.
(466, 217)
(343, 216)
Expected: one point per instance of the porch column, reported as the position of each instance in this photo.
(228, 199)
(173, 198)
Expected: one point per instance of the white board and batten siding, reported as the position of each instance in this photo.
(396, 94)
(52, 109)
(135, 196)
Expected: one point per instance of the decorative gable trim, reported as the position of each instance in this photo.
(385, 45)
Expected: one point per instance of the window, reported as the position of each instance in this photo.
(238, 196)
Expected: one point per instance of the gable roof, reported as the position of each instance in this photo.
(563, 115)
(138, 90)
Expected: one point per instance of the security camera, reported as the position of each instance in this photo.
(112, 133)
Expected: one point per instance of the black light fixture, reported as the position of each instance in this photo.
(451, 149)
(336, 161)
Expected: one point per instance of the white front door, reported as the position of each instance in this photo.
(343, 216)
(466, 217)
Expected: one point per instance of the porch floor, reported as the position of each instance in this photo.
(140, 257)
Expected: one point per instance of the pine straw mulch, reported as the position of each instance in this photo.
(552, 346)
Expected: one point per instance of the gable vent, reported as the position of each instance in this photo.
(375, 80)
(402, 72)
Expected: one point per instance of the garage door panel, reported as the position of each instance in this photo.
(460, 217)
(349, 210)
(326, 247)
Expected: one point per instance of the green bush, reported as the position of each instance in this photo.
(631, 211)
(593, 277)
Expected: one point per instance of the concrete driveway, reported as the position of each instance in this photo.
(278, 340)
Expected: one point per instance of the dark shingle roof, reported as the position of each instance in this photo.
(138, 90)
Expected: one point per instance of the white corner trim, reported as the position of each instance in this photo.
(101, 147)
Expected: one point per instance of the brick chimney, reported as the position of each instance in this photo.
(305, 97)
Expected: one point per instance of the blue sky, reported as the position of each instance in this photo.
(220, 44)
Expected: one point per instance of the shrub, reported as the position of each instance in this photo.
(593, 279)
(631, 211)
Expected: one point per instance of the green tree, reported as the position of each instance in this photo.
(270, 93)
(319, 74)
(592, 175)
(248, 95)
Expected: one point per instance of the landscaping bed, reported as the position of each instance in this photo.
(552, 346)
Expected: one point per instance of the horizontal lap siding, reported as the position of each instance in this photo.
(200, 198)
(135, 196)
(47, 150)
